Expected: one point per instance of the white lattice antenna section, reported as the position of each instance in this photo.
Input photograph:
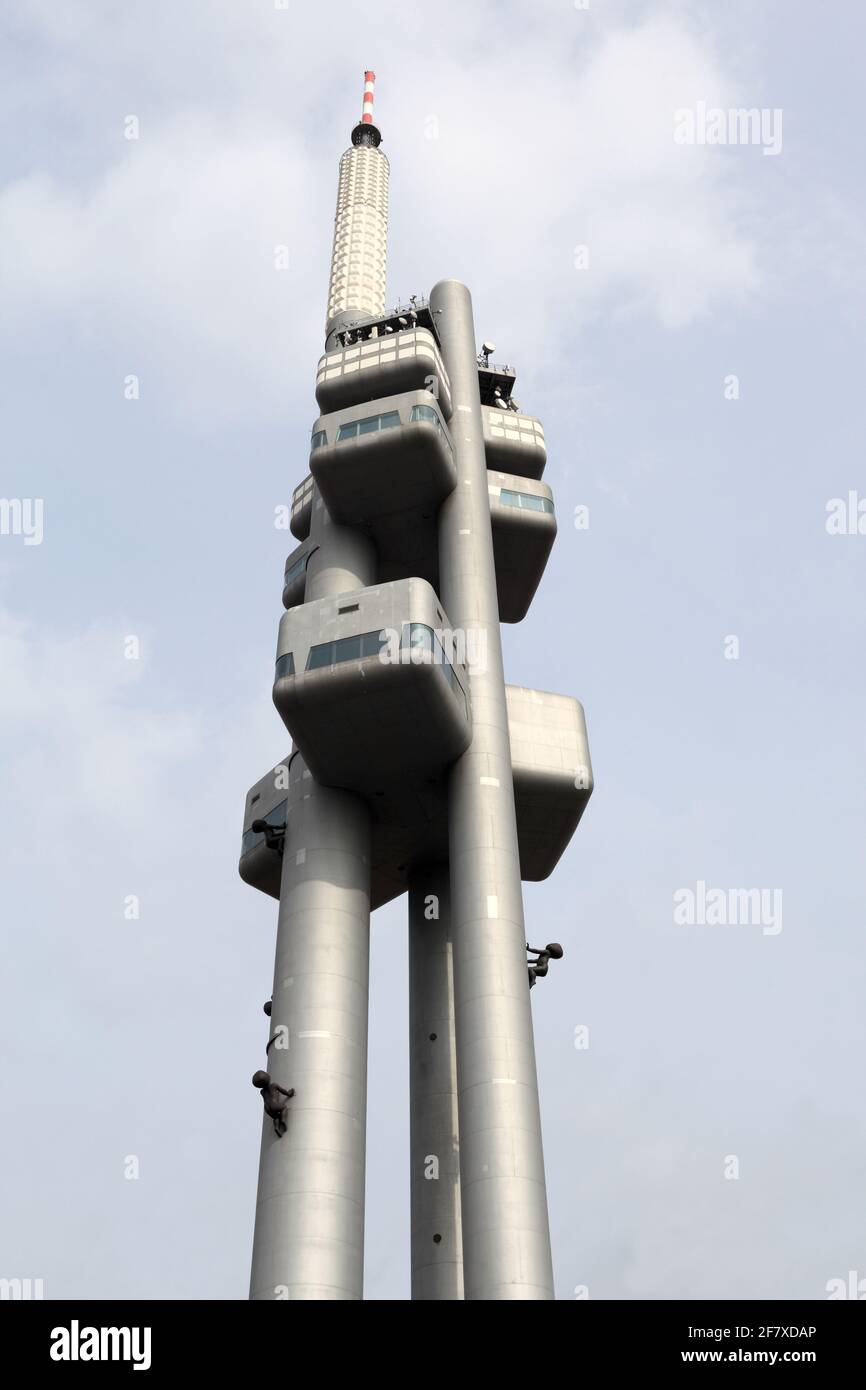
(359, 255)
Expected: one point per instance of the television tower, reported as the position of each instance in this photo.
(422, 525)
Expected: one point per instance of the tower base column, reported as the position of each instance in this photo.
(506, 1236)
(309, 1236)
(437, 1248)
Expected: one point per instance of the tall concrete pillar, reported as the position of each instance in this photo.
(309, 1234)
(506, 1238)
(437, 1247)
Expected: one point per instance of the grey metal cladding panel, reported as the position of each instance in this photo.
(406, 468)
(510, 448)
(293, 592)
(410, 828)
(402, 402)
(265, 794)
(294, 555)
(547, 732)
(364, 722)
(302, 509)
(522, 542)
(552, 774)
(516, 482)
(409, 373)
(407, 550)
(544, 832)
(398, 471)
(369, 609)
(525, 466)
(260, 866)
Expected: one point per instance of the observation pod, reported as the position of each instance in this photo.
(366, 689)
(276, 797)
(302, 509)
(260, 866)
(553, 782)
(552, 774)
(524, 527)
(386, 365)
(295, 577)
(513, 442)
(386, 456)
(523, 523)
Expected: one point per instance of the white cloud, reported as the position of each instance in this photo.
(587, 157)
(162, 258)
(165, 265)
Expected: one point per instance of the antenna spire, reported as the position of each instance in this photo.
(367, 108)
(365, 132)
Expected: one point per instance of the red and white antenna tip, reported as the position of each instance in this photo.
(367, 108)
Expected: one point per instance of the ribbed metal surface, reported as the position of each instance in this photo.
(360, 249)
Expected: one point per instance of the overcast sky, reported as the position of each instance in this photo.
(517, 133)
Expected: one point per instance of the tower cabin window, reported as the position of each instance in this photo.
(370, 425)
(527, 501)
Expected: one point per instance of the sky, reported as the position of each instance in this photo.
(686, 319)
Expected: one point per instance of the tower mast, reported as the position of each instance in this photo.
(422, 526)
(360, 247)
